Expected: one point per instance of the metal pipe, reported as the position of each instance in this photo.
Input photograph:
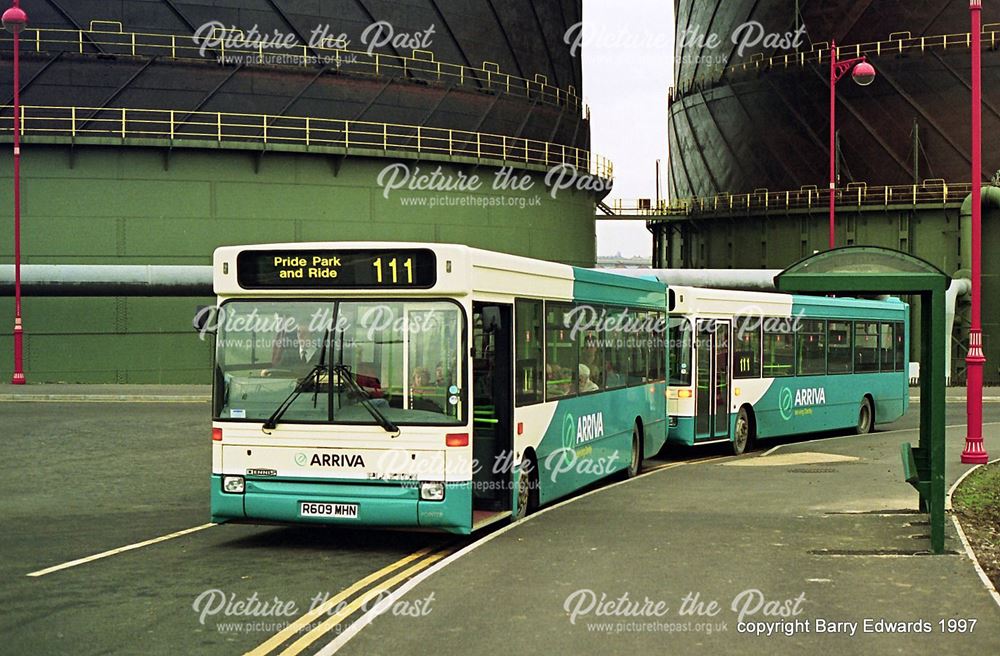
(742, 279)
(960, 287)
(990, 200)
(108, 280)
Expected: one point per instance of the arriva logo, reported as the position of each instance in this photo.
(569, 431)
(580, 431)
(590, 427)
(788, 403)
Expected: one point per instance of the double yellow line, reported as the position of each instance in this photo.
(420, 560)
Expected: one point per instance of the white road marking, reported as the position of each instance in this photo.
(114, 552)
(875, 434)
(366, 619)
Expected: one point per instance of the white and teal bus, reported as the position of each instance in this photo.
(424, 385)
(747, 365)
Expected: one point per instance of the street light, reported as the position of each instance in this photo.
(863, 74)
(974, 453)
(15, 20)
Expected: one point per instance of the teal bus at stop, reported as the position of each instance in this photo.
(425, 386)
(747, 366)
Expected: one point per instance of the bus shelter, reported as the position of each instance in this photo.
(867, 271)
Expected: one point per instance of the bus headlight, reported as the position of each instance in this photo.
(233, 484)
(431, 491)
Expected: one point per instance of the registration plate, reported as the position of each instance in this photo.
(347, 510)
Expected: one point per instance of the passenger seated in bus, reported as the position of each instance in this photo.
(612, 378)
(586, 385)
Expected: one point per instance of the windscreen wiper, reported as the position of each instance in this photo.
(272, 421)
(345, 374)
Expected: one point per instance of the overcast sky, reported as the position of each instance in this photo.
(627, 70)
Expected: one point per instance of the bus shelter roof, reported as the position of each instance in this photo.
(862, 270)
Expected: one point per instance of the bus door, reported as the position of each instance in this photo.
(714, 380)
(492, 385)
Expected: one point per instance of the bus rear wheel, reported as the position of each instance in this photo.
(866, 417)
(743, 435)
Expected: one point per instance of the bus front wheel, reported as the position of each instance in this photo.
(743, 436)
(866, 417)
(635, 463)
(527, 490)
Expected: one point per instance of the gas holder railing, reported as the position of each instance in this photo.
(223, 127)
(109, 38)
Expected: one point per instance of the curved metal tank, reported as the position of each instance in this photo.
(767, 127)
(490, 39)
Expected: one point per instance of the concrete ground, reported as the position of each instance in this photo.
(817, 544)
(824, 536)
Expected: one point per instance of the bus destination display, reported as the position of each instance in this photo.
(340, 269)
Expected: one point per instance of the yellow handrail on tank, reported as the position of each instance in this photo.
(175, 46)
(897, 43)
(222, 127)
(859, 194)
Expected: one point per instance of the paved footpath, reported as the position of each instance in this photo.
(818, 543)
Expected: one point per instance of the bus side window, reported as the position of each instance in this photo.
(839, 359)
(746, 347)
(886, 348)
(655, 340)
(899, 335)
(615, 353)
(636, 352)
(779, 350)
(592, 355)
(811, 340)
(866, 347)
(528, 352)
(561, 365)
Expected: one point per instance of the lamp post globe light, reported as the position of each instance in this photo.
(15, 20)
(863, 74)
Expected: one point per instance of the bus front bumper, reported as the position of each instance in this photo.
(384, 505)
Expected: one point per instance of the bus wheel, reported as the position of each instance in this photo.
(635, 464)
(744, 433)
(527, 493)
(866, 417)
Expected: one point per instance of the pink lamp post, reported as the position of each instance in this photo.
(863, 74)
(15, 20)
(974, 453)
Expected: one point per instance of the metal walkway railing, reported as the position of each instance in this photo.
(305, 132)
(810, 197)
(897, 43)
(109, 38)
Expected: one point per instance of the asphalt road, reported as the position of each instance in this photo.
(84, 478)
